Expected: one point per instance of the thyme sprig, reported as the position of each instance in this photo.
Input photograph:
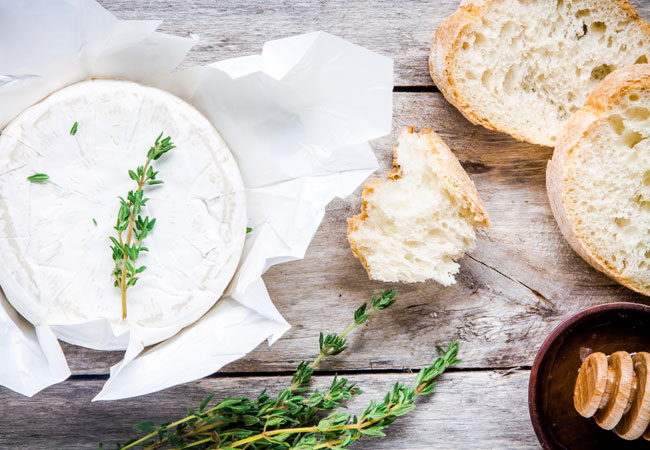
(129, 221)
(289, 421)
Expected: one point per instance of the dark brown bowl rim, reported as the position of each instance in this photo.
(543, 436)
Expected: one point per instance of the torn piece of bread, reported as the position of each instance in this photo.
(414, 226)
(523, 67)
(598, 181)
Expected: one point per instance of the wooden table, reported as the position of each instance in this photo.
(513, 289)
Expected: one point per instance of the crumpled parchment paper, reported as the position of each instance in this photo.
(297, 118)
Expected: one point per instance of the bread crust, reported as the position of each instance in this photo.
(453, 173)
(447, 40)
(610, 91)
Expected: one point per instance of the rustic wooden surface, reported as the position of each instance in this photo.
(62, 417)
(513, 289)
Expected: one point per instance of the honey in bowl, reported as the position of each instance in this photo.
(607, 329)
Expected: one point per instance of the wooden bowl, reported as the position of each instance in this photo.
(604, 328)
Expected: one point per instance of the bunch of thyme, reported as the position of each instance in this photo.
(289, 420)
(129, 220)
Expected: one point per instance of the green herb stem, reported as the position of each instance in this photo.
(129, 235)
(374, 414)
(334, 344)
(129, 220)
(289, 420)
(326, 351)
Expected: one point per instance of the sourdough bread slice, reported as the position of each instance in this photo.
(414, 226)
(598, 181)
(524, 67)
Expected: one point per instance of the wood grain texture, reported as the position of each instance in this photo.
(401, 29)
(468, 411)
(512, 290)
(516, 286)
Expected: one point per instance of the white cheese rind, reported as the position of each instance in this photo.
(53, 257)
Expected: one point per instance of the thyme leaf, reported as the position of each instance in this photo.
(38, 178)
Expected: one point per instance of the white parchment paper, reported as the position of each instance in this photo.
(297, 118)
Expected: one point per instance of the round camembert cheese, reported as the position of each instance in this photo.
(55, 261)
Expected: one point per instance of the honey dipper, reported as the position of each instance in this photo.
(616, 392)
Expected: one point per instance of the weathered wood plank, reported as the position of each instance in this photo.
(400, 29)
(518, 284)
(62, 417)
(521, 280)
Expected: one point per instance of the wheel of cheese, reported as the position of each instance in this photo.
(55, 261)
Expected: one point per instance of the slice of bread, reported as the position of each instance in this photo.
(524, 67)
(415, 226)
(598, 181)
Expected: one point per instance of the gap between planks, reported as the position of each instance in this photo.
(477, 410)
(432, 89)
(320, 373)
